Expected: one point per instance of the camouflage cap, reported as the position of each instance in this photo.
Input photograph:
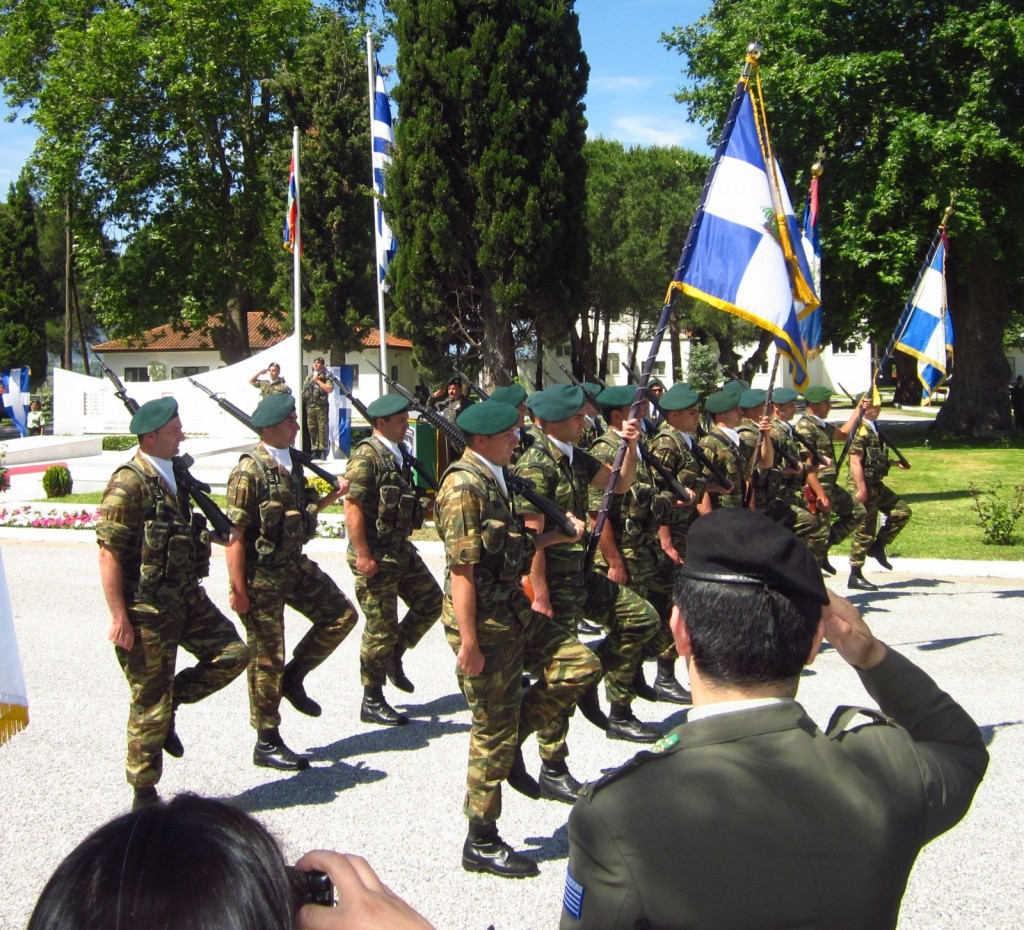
(513, 394)
(678, 397)
(817, 394)
(272, 410)
(488, 418)
(722, 402)
(784, 395)
(558, 402)
(387, 405)
(152, 415)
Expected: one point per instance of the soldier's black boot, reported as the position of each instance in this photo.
(294, 692)
(826, 566)
(666, 686)
(623, 725)
(590, 707)
(172, 742)
(396, 674)
(877, 552)
(376, 709)
(272, 753)
(144, 797)
(858, 582)
(518, 777)
(557, 783)
(485, 851)
(643, 690)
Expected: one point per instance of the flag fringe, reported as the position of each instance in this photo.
(13, 719)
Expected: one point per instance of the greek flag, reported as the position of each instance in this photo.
(383, 139)
(740, 254)
(811, 319)
(291, 216)
(16, 397)
(928, 332)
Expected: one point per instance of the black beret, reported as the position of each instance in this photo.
(152, 415)
(454, 380)
(488, 418)
(734, 545)
(272, 410)
(387, 405)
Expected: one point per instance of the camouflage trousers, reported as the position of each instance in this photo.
(897, 514)
(400, 573)
(848, 512)
(194, 623)
(316, 423)
(302, 585)
(652, 576)
(499, 706)
(812, 528)
(630, 622)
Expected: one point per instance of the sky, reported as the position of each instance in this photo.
(632, 80)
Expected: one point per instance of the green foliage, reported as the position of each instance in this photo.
(704, 372)
(119, 443)
(57, 481)
(997, 516)
(4, 481)
(487, 190)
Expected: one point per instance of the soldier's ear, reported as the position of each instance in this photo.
(819, 635)
(679, 632)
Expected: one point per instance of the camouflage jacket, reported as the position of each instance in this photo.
(274, 387)
(731, 461)
(787, 451)
(312, 393)
(392, 505)
(873, 452)
(819, 438)
(669, 447)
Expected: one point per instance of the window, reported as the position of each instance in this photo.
(564, 350)
(658, 369)
(845, 348)
(613, 363)
(136, 374)
(189, 371)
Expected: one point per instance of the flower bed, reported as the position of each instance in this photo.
(32, 517)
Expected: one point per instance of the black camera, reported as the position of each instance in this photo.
(313, 887)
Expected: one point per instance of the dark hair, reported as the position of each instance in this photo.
(191, 864)
(746, 634)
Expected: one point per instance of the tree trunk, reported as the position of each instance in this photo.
(497, 350)
(978, 404)
(677, 351)
(753, 364)
(908, 387)
(231, 337)
(607, 319)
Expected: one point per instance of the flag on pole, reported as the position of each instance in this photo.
(13, 695)
(928, 331)
(16, 397)
(291, 216)
(811, 319)
(740, 254)
(383, 135)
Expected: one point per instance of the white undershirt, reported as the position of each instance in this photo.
(731, 433)
(164, 468)
(392, 447)
(732, 707)
(566, 449)
(283, 457)
(495, 470)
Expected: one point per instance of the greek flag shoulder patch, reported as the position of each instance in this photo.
(572, 900)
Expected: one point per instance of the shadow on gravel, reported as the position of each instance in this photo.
(1010, 594)
(547, 848)
(306, 789)
(988, 733)
(937, 644)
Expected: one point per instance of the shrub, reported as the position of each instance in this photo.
(997, 516)
(323, 488)
(57, 481)
(119, 443)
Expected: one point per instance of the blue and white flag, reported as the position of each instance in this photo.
(383, 136)
(928, 332)
(740, 255)
(16, 397)
(810, 240)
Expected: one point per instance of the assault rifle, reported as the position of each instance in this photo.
(198, 490)
(900, 457)
(515, 483)
(303, 458)
(421, 469)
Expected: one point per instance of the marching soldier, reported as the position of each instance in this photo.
(154, 552)
(274, 514)
(316, 392)
(723, 446)
(275, 384)
(495, 635)
(382, 508)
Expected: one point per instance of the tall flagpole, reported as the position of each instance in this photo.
(371, 73)
(297, 271)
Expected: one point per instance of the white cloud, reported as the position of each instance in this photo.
(623, 83)
(650, 130)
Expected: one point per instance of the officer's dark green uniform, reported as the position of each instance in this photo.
(163, 549)
(480, 530)
(317, 406)
(277, 512)
(392, 507)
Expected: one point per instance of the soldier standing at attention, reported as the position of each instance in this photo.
(275, 384)
(316, 391)
(495, 635)
(819, 436)
(869, 464)
(274, 514)
(382, 508)
(153, 553)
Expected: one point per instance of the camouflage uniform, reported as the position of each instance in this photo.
(317, 405)
(842, 504)
(789, 506)
(671, 448)
(274, 387)
(278, 514)
(479, 529)
(629, 619)
(874, 453)
(731, 460)
(164, 551)
(392, 508)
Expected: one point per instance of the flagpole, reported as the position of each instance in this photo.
(297, 272)
(381, 322)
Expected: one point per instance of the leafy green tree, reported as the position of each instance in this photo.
(22, 302)
(486, 193)
(912, 100)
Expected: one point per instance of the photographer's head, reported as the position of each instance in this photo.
(190, 864)
(748, 605)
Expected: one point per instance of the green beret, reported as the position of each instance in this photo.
(272, 410)
(387, 405)
(678, 397)
(737, 386)
(656, 381)
(488, 418)
(591, 387)
(753, 398)
(513, 394)
(784, 395)
(558, 402)
(153, 414)
(817, 394)
(734, 545)
(721, 402)
(613, 398)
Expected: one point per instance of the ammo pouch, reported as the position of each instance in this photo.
(169, 552)
(282, 532)
(401, 511)
(876, 462)
(661, 509)
(201, 545)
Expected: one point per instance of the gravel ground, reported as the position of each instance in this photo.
(369, 792)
